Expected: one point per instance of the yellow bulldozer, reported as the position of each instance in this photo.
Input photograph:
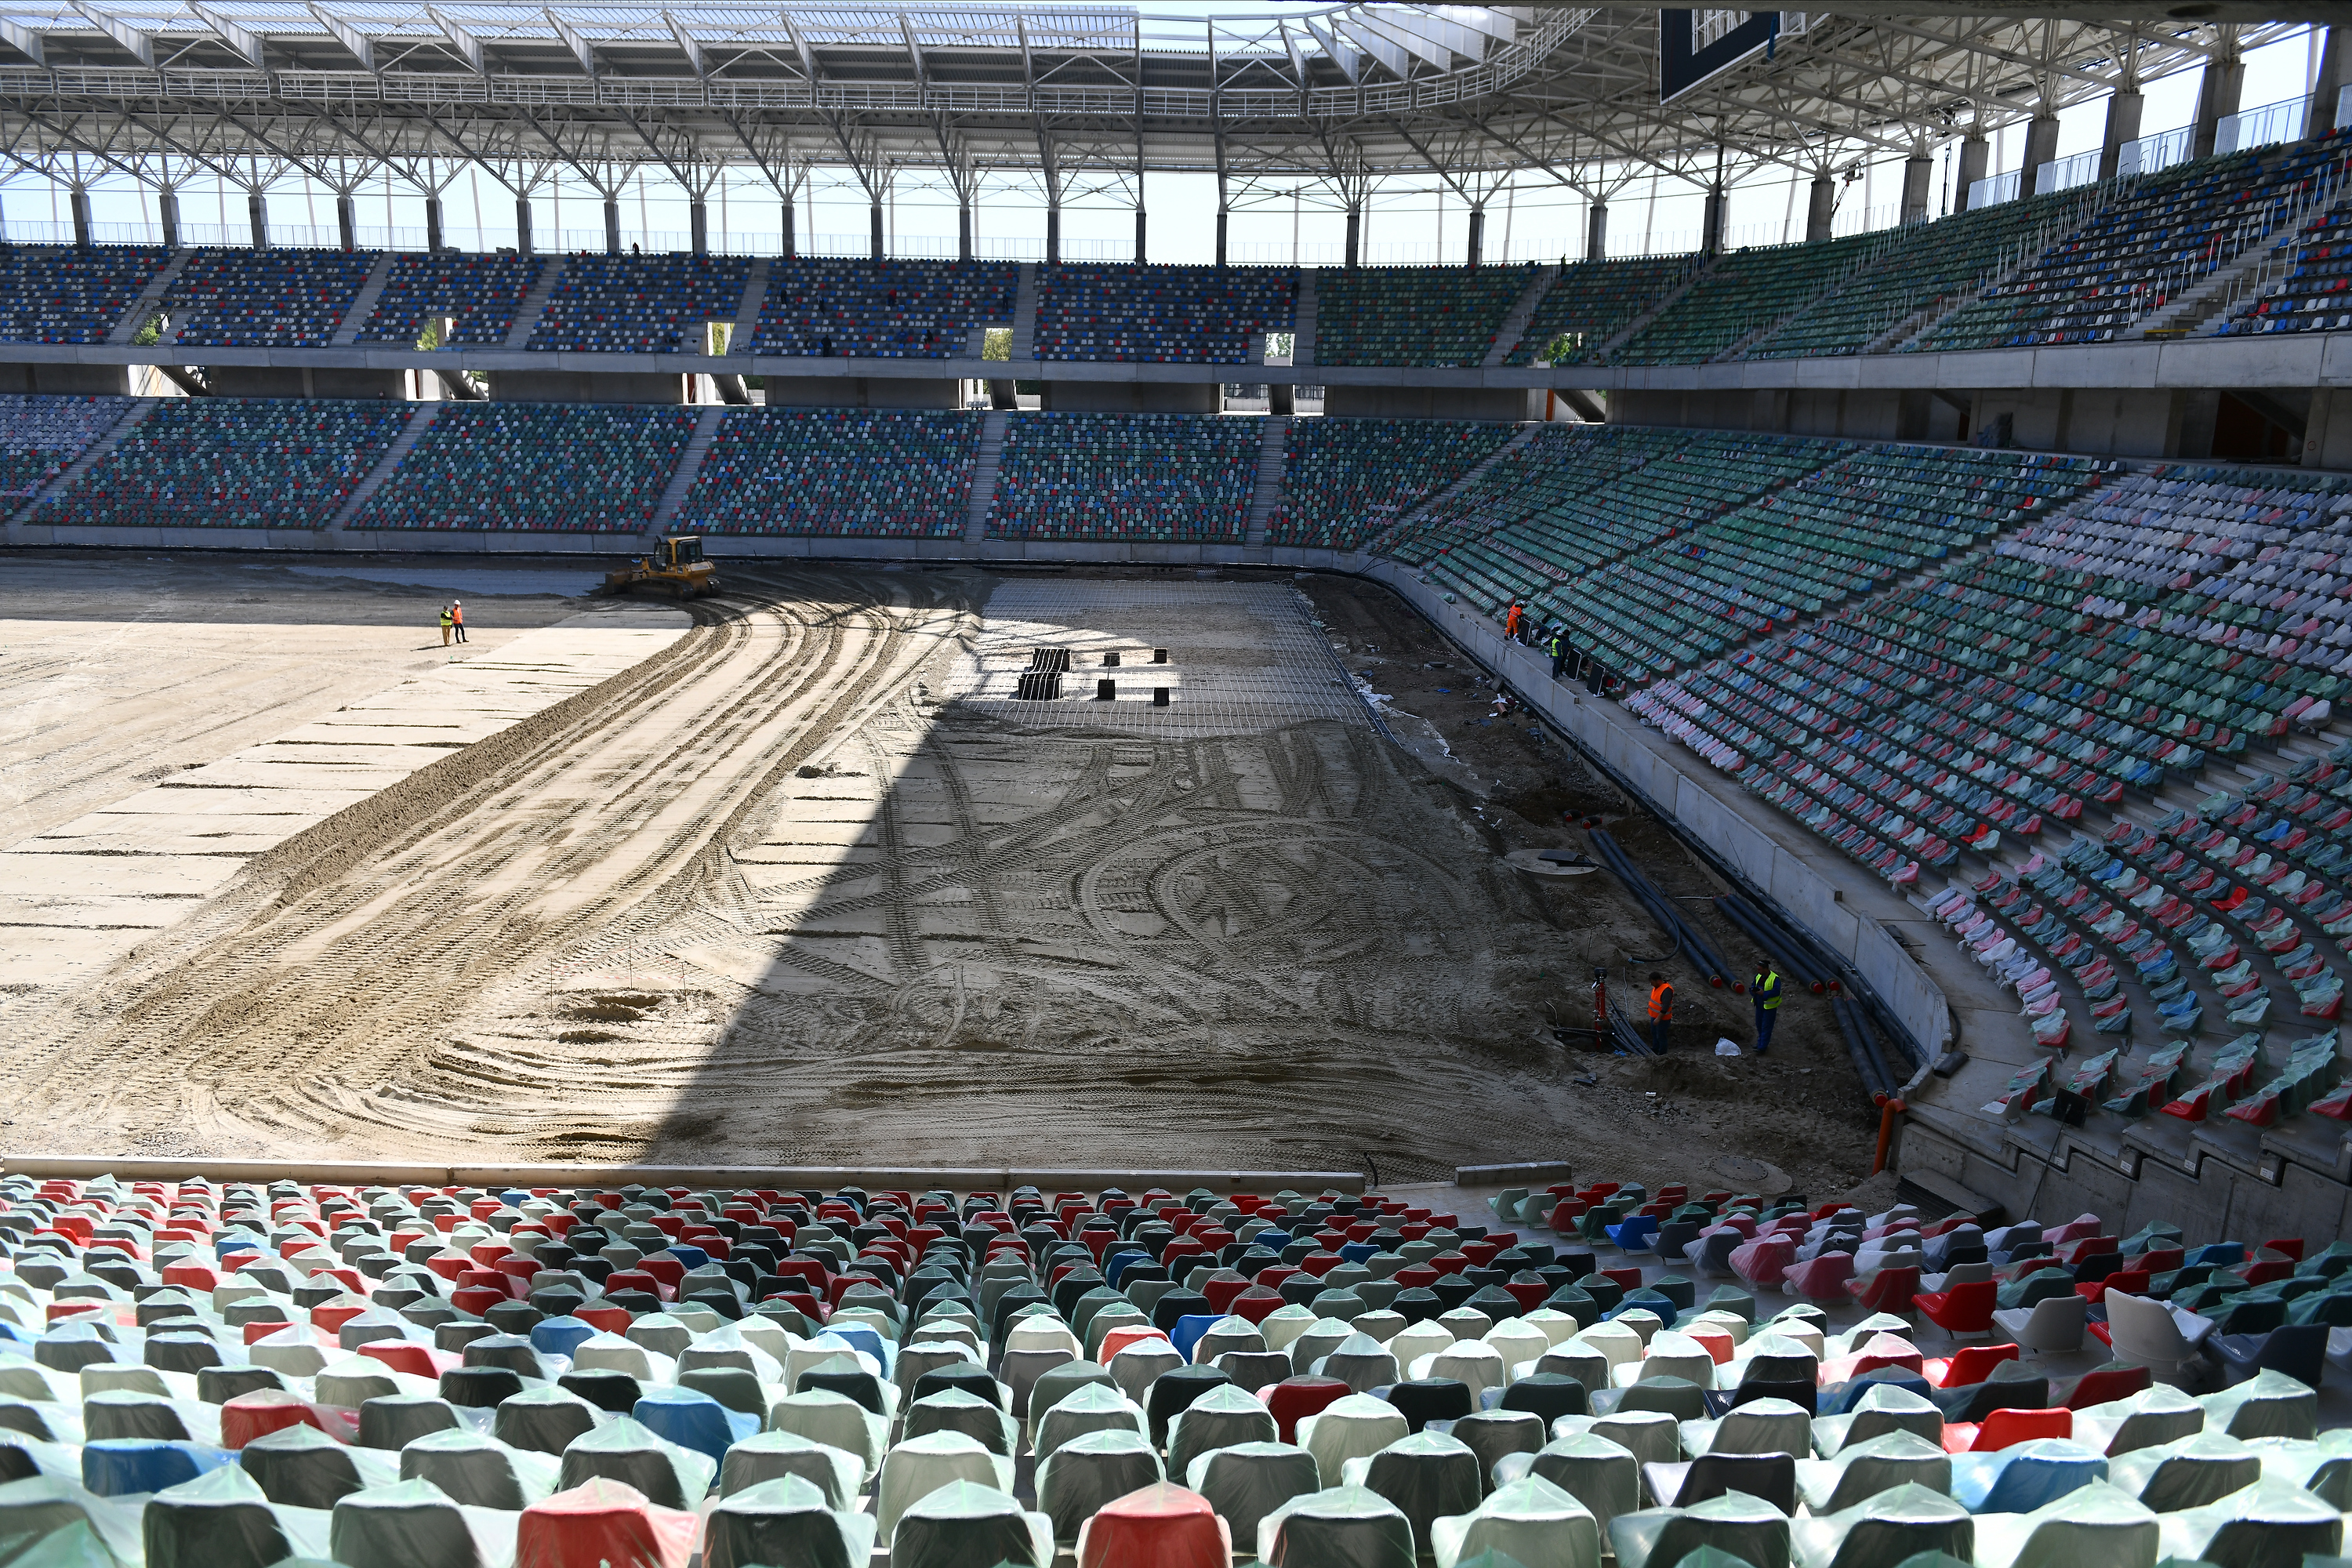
(675, 567)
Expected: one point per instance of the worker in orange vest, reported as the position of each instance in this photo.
(1661, 1012)
(1511, 622)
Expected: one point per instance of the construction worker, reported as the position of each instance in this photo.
(1511, 622)
(1557, 649)
(446, 623)
(1662, 1010)
(458, 618)
(1765, 989)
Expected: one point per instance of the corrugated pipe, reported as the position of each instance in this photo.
(1862, 1048)
(1770, 936)
(1662, 909)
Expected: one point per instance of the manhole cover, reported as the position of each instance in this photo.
(1751, 1175)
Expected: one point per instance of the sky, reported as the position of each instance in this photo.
(1410, 220)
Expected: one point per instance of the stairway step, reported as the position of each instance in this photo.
(1302, 338)
(747, 314)
(984, 465)
(149, 298)
(534, 304)
(363, 304)
(132, 416)
(394, 456)
(1273, 444)
(1522, 312)
(689, 463)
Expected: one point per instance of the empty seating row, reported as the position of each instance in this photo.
(1345, 480)
(1740, 297)
(41, 437)
(1593, 302)
(59, 294)
(548, 467)
(264, 299)
(460, 300)
(406, 1376)
(1162, 315)
(2159, 237)
(1413, 315)
(851, 472)
(1911, 269)
(641, 304)
(2311, 297)
(1140, 477)
(882, 310)
(216, 462)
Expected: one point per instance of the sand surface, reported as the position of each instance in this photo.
(808, 887)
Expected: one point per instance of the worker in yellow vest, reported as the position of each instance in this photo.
(1661, 1012)
(1766, 990)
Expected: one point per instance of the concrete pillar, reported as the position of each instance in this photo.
(167, 217)
(1478, 233)
(522, 224)
(964, 231)
(79, 200)
(2218, 92)
(1222, 217)
(2320, 117)
(1053, 234)
(1918, 179)
(1140, 251)
(612, 228)
(2124, 108)
(873, 222)
(433, 225)
(2041, 147)
(347, 223)
(1596, 232)
(1821, 207)
(1711, 239)
(256, 213)
(1975, 152)
(1355, 233)
(788, 247)
(698, 227)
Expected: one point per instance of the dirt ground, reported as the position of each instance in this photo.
(115, 674)
(765, 899)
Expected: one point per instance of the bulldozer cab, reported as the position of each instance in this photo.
(676, 552)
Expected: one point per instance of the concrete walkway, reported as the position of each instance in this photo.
(77, 897)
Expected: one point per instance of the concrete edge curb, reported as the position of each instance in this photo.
(956, 1178)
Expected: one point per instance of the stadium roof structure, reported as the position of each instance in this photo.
(1085, 100)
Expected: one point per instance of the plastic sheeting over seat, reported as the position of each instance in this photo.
(785, 1523)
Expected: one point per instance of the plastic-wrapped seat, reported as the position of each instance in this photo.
(1249, 1481)
(2097, 1526)
(773, 1456)
(121, 1466)
(1651, 1436)
(1294, 1399)
(965, 1525)
(604, 1521)
(1426, 1475)
(2269, 1405)
(1159, 1526)
(1528, 1522)
(835, 1421)
(785, 1522)
(1744, 1527)
(2025, 1476)
(1891, 1527)
(1863, 1470)
(2148, 1419)
(1340, 1526)
(1088, 1473)
(392, 1421)
(1221, 1418)
(1494, 1435)
(1686, 1484)
(1361, 1362)
(1879, 1411)
(2190, 1473)
(915, 1469)
(544, 1420)
(302, 1466)
(406, 1524)
(1758, 1426)
(42, 1508)
(2271, 1522)
(220, 1519)
(626, 1451)
(1139, 1366)
(1593, 1470)
(479, 1471)
(1356, 1426)
(691, 1420)
(1090, 1407)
